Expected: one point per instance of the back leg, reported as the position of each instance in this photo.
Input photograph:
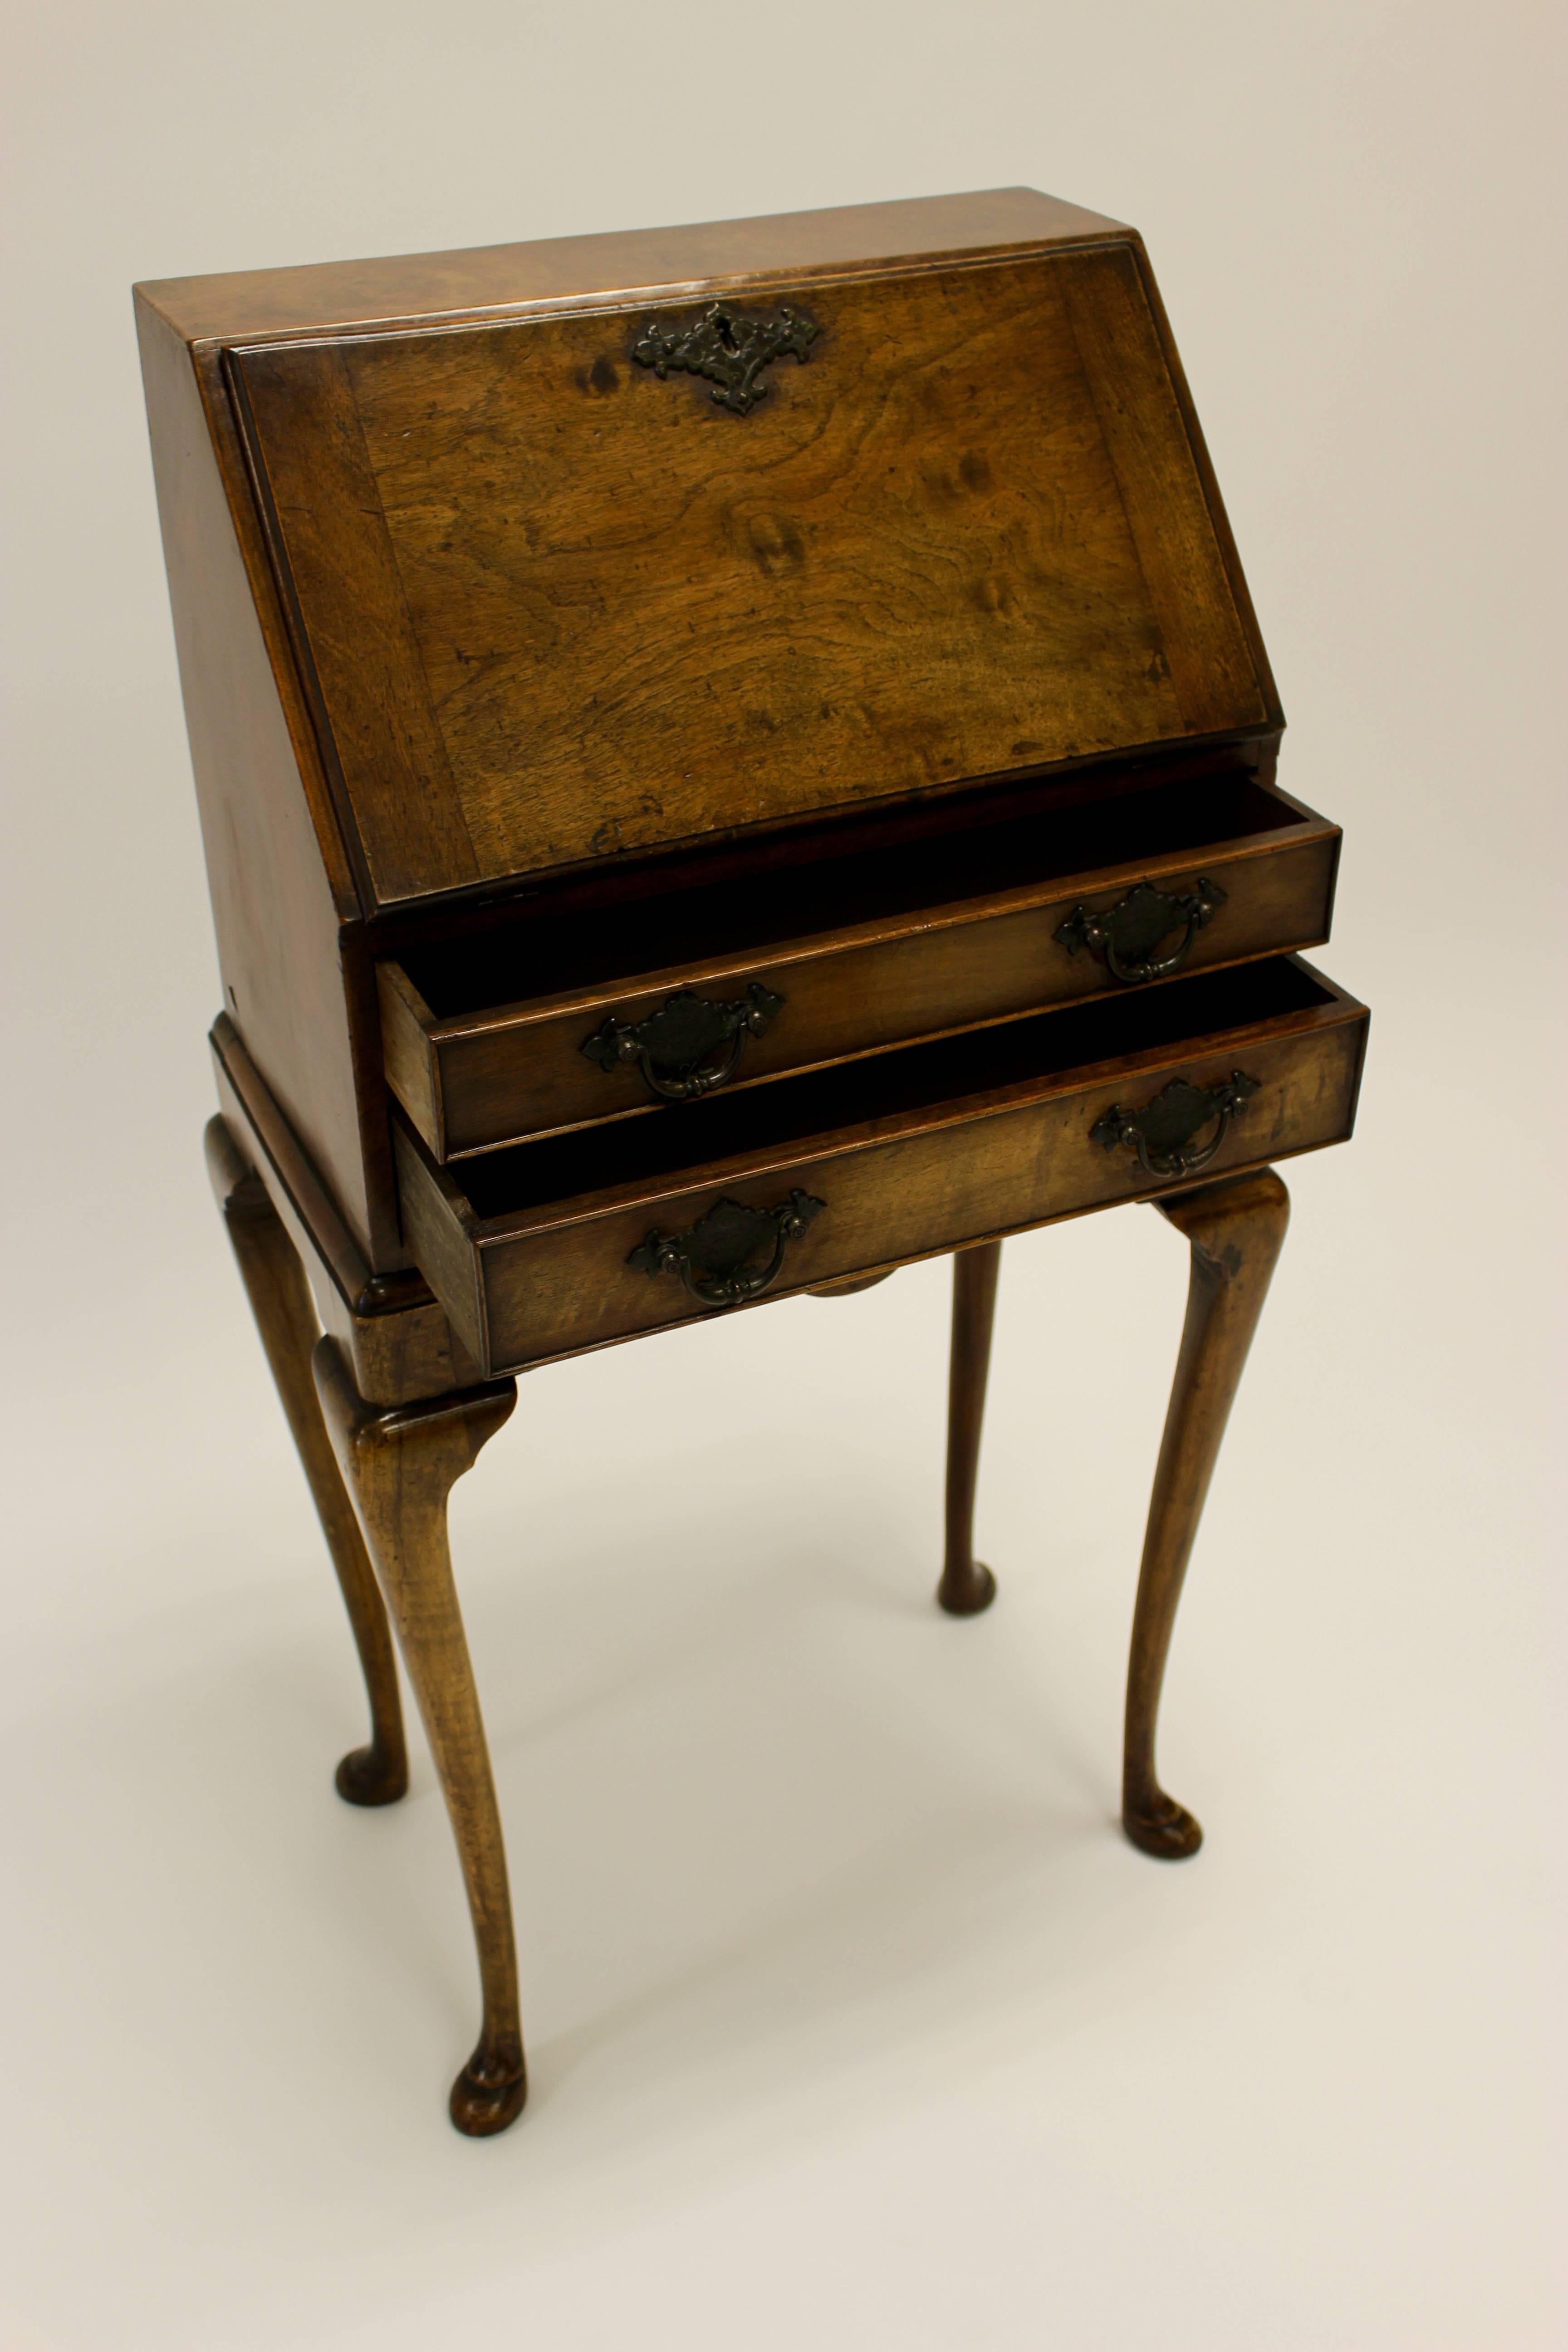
(286, 1317)
(967, 1585)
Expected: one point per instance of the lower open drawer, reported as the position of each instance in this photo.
(573, 1243)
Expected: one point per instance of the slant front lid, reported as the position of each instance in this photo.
(571, 584)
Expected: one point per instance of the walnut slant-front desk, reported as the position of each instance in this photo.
(732, 759)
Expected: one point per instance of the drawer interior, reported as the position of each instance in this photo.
(539, 953)
(887, 1087)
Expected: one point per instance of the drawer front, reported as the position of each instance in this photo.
(473, 1085)
(519, 1297)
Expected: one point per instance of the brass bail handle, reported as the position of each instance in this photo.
(691, 1045)
(1164, 1133)
(1127, 934)
(717, 1260)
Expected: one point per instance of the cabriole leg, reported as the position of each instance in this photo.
(1236, 1231)
(967, 1586)
(400, 1464)
(286, 1317)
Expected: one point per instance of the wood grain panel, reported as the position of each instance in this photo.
(356, 640)
(645, 618)
(1203, 641)
(281, 886)
(636, 618)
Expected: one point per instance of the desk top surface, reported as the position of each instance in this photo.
(315, 297)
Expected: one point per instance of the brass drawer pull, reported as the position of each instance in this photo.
(731, 347)
(1128, 934)
(676, 1044)
(716, 1260)
(1162, 1131)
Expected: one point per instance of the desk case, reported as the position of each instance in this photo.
(732, 759)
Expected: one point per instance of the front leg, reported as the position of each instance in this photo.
(286, 1317)
(400, 1464)
(1236, 1231)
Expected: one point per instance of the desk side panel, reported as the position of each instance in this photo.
(281, 883)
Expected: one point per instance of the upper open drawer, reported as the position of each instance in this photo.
(571, 584)
(543, 1020)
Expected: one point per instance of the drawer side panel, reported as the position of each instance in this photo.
(413, 1069)
(433, 1231)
